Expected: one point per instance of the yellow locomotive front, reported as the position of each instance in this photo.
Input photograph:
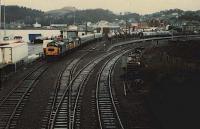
(52, 51)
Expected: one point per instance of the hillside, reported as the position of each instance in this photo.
(61, 12)
(175, 15)
(21, 14)
(16, 14)
(95, 15)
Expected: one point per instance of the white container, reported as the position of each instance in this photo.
(13, 53)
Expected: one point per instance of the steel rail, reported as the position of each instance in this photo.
(105, 78)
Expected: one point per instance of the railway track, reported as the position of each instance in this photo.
(63, 82)
(76, 118)
(106, 106)
(64, 116)
(12, 105)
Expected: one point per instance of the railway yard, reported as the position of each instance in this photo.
(97, 64)
(89, 88)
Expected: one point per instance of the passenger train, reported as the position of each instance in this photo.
(68, 41)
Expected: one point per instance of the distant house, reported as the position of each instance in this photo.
(106, 27)
(191, 27)
(37, 25)
(59, 25)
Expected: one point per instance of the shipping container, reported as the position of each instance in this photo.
(13, 53)
(32, 37)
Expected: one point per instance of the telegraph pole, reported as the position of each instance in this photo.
(126, 29)
(86, 29)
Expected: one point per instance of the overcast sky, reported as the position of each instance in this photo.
(139, 6)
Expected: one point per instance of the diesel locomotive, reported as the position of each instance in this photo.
(67, 41)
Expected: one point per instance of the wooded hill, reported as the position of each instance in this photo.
(16, 14)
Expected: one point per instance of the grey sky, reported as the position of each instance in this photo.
(139, 6)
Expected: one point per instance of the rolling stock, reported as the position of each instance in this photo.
(44, 45)
(140, 34)
(58, 48)
(156, 34)
(70, 40)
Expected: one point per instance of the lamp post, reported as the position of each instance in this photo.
(86, 28)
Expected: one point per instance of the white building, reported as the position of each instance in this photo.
(106, 27)
(37, 25)
(58, 25)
